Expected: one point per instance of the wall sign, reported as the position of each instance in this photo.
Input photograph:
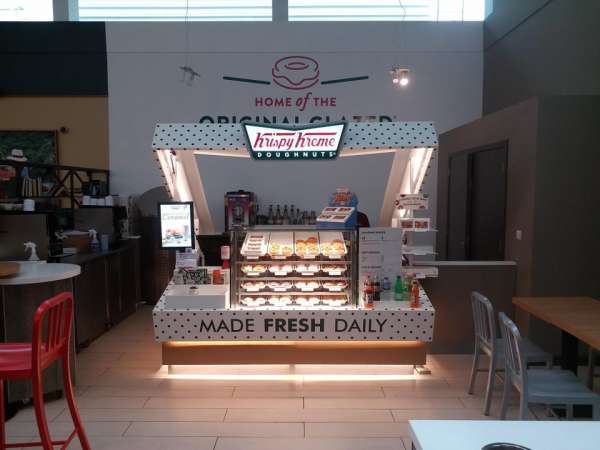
(276, 142)
(412, 201)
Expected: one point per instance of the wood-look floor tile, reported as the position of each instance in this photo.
(254, 403)
(423, 393)
(242, 392)
(309, 444)
(404, 415)
(330, 429)
(111, 402)
(150, 443)
(146, 415)
(231, 429)
(157, 391)
(308, 415)
(62, 429)
(383, 403)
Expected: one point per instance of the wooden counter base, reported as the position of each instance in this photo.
(293, 352)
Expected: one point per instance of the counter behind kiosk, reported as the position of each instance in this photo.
(295, 293)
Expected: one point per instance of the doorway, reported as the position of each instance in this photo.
(477, 204)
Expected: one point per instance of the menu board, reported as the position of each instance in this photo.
(176, 224)
(380, 255)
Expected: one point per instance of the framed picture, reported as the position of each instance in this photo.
(38, 146)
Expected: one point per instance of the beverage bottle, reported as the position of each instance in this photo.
(368, 293)
(386, 284)
(313, 218)
(298, 217)
(292, 215)
(376, 289)
(398, 289)
(305, 218)
(270, 218)
(414, 300)
(285, 219)
(278, 218)
(225, 256)
(407, 281)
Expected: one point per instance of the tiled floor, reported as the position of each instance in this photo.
(128, 401)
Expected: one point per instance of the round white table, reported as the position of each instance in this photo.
(21, 294)
(41, 272)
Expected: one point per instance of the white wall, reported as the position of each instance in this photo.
(145, 88)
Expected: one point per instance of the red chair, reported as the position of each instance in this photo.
(28, 360)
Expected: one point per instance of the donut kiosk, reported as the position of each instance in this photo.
(329, 293)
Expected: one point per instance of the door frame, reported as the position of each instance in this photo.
(470, 152)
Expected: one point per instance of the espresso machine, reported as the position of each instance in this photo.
(240, 210)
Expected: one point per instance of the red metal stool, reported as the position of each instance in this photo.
(28, 360)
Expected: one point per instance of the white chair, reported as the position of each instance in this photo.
(486, 342)
(548, 387)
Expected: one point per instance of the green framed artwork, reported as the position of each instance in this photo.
(38, 146)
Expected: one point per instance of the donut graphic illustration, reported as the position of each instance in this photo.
(295, 72)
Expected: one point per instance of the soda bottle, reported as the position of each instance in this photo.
(414, 298)
(368, 293)
(376, 289)
(399, 289)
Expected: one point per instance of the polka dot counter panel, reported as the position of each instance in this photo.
(397, 322)
(229, 136)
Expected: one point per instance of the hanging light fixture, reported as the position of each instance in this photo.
(400, 76)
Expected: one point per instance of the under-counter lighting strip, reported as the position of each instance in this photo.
(299, 373)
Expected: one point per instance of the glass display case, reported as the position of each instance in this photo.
(296, 267)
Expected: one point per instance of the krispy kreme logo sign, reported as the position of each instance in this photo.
(273, 142)
(301, 78)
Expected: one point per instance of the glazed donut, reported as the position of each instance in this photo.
(295, 72)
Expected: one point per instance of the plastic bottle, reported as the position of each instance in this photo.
(414, 298)
(94, 245)
(386, 284)
(368, 293)
(270, 218)
(32, 246)
(399, 289)
(376, 289)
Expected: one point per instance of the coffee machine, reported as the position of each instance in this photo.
(240, 210)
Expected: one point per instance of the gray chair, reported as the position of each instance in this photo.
(548, 387)
(486, 342)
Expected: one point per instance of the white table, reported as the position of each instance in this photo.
(474, 434)
(41, 272)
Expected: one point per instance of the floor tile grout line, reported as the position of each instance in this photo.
(127, 429)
